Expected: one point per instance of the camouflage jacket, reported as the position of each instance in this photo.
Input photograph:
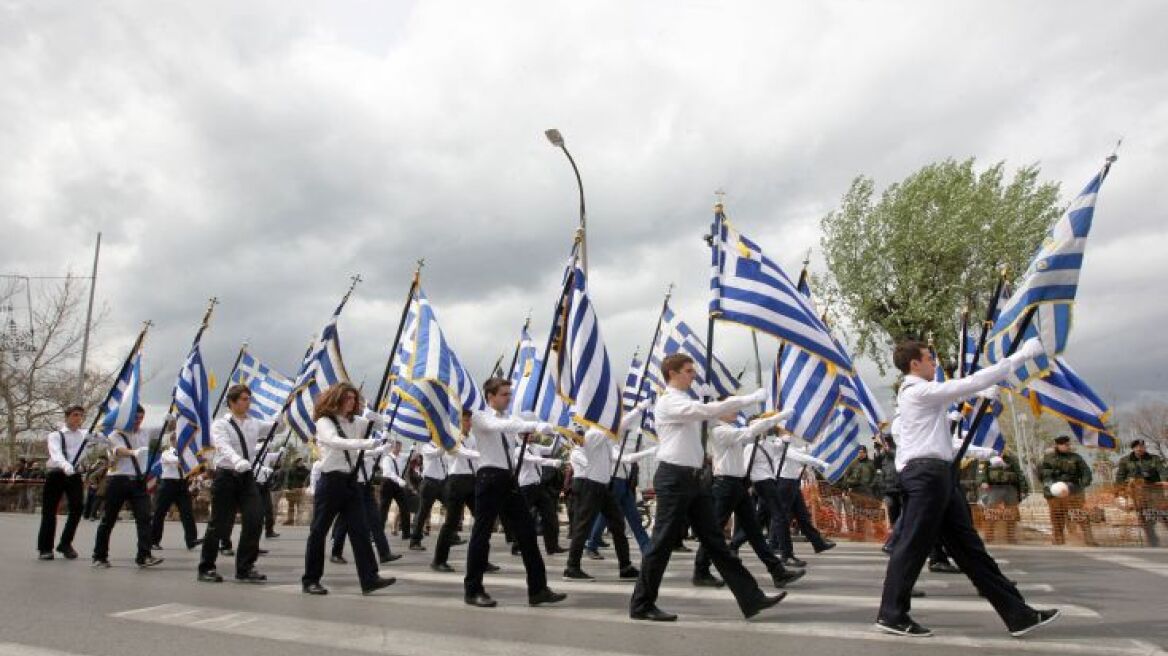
(1066, 468)
(1150, 469)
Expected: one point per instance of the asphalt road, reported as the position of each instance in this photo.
(1113, 600)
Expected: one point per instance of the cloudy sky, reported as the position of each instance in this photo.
(263, 152)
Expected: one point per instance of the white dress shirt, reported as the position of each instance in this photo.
(394, 467)
(463, 460)
(333, 447)
(598, 457)
(496, 437)
(169, 460)
(123, 465)
(763, 467)
(529, 473)
(433, 462)
(74, 441)
(270, 458)
(678, 420)
(797, 458)
(225, 440)
(628, 458)
(726, 442)
(923, 424)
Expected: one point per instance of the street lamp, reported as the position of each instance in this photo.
(553, 135)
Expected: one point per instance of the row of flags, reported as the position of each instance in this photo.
(574, 384)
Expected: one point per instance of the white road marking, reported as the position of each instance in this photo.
(17, 649)
(1160, 569)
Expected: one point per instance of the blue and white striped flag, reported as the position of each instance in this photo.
(632, 394)
(434, 381)
(677, 337)
(841, 443)
(989, 431)
(1061, 392)
(751, 289)
(269, 388)
(551, 406)
(1049, 286)
(122, 408)
(192, 407)
(806, 385)
(323, 368)
(583, 360)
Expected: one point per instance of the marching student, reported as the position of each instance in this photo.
(264, 478)
(540, 501)
(432, 489)
(459, 494)
(172, 491)
(337, 490)
(727, 443)
(934, 508)
(65, 446)
(235, 437)
(496, 495)
(394, 466)
(377, 535)
(792, 506)
(624, 491)
(592, 464)
(680, 495)
(127, 484)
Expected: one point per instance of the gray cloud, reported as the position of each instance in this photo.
(264, 153)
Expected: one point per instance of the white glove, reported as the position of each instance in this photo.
(545, 428)
(1030, 349)
(757, 396)
(784, 415)
(68, 469)
(141, 452)
(265, 472)
(821, 465)
(242, 465)
(642, 406)
(954, 415)
(377, 452)
(989, 393)
(528, 415)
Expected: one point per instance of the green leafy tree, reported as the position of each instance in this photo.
(904, 266)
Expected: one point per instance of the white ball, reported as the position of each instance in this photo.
(1060, 489)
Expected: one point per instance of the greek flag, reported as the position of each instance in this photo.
(677, 337)
(807, 385)
(192, 426)
(1049, 286)
(989, 431)
(122, 406)
(583, 359)
(551, 406)
(751, 289)
(433, 380)
(322, 369)
(841, 443)
(269, 388)
(1088, 437)
(1061, 392)
(631, 394)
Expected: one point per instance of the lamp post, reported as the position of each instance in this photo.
(553, 135)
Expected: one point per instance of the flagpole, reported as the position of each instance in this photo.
(234, 368)
(383, 387)
(562, 307)
(640, 388)
(515, 355)
(105, 403)
(719, 217)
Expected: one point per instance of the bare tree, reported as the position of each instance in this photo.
(36, 385)
(1148, 420)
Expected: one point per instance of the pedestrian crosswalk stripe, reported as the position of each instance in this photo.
(1126, 560)
(17, 649)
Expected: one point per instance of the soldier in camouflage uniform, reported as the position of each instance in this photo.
(859, 481)
(1065, 466)
(1141, 472)
(1003, 486)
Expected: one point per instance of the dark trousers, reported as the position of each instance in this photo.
(682, 498)
(594, 499)
(496, 496)
(267, 511)
(93, 503)
(122, 490)
(731, 498)
(57, 484)
(376, 528)
(626, 500)
(338, 493)
(766, 504)
(935, 509)
(792, 506)
(393, 493)
(459, 494)
(173, 492)
(542, 507)
(233, 492)
(429, 491)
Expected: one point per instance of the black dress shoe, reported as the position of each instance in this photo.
(314, 589)
(653, 614)
(1041, 618)
(390, 558)
(210, 576)
(827, 545)
(790, 576)
(681, 548)
(417, 546)
(68, 552)
(262, 552)
(556, 550)
(765, 603)
(271, 534)
(480, 599)
(378, 584)
(194, 544)
(100, 563)
(492, 568)
(944, 568)
(791, 561)
(577, 574)
(227, 551)
(148, 561)
(457, 541)
(45, 555)
(593, 554)
(545, 596)
(338, 560)
(707, 580)
(251, 576)
(441, 567)
(156, 547)
(908, 628)
(917, 594)
(629, 573)
(887, 549)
